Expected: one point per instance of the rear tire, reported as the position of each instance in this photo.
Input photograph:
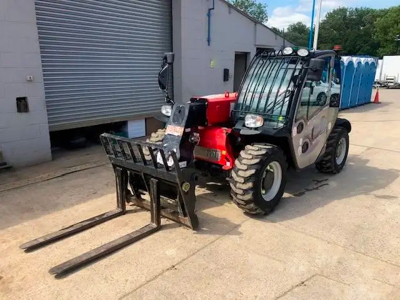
(337, 149)
(258, 178)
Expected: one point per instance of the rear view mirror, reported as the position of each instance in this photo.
(315, 69)
(168, 60)
(162, 77)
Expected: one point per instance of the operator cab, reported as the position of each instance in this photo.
(277, 81)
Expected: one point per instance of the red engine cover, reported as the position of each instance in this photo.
(219, 107)
(214, 146)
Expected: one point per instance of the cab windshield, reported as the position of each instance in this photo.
(269, 86)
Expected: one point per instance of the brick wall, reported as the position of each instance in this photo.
(24, 137)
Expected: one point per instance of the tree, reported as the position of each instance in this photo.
(387, 29)
(298, 34)
(352, 28)
(277, 30)
(360, 31)
(257, 10)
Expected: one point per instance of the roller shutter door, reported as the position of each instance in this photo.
(101, 58)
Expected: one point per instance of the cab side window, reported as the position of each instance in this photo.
(315, 94)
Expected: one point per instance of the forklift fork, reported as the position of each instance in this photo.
(126, 162)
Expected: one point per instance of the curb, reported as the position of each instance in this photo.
(49, 176)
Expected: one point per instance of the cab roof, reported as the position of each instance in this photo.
(313, 53)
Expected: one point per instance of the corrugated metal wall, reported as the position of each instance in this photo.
(101, 58)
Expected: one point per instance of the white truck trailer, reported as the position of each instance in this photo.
(388, 72)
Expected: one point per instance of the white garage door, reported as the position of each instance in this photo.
(101, 58)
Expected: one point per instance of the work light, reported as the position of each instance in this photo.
(288, 51)
(302, 52)
(166, 110)
(253, 121)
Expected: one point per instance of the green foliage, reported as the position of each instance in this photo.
(387, 28)
(358, 30)
(257, 10)
(298, 34)
(277, 30)
(352, 28)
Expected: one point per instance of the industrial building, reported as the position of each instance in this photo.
(72, 64)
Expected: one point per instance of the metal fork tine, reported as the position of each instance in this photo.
(164, 160)
(176, 163)
(115, 152)
(131, 152)
(106, 144)
(153, 157)
(121, 147)
(140, 149)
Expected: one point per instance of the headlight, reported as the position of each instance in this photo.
(302, 52)
(288, 51)
(253, 121)
(166, 110)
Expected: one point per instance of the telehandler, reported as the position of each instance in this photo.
(276, 120)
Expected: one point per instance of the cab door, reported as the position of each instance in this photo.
(311, 126)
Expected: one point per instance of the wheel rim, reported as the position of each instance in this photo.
(321, 99)
(271, 181)
(341, 150)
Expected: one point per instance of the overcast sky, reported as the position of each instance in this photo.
(282, 13)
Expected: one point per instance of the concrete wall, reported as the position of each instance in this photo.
(269, 39)
(24, 137)
(199, 68)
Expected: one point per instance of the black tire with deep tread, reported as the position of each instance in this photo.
(246, 177)
(327, 164)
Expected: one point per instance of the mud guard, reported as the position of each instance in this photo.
(343, 123)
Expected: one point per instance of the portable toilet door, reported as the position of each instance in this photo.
(347, 84)
(343, 74)
(365, 78)
(371, 79)
(356, 84)
(372, 70)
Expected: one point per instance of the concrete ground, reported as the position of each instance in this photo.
(332, 237)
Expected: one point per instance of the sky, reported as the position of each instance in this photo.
(282, 13)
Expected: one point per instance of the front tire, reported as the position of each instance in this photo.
(337, 149)
(258, 178)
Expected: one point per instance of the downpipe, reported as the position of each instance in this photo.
(209, 23)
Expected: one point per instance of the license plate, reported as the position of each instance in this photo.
(207, 154)
(174, 130)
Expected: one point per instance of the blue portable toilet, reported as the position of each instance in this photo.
(372, 67)
(358, 75)
(371, 72)
(364, 82)
(373, 62)
(343, 75)
(356, 83)
(347, 80)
